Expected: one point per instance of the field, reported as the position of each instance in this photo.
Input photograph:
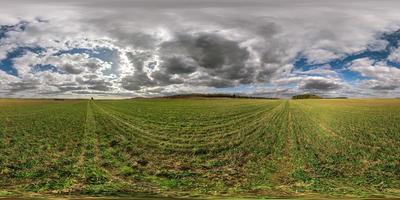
(200, 146)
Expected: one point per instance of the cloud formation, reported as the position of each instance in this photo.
(130, 48)
(379, 75)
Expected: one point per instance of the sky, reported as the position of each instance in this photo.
(147, 48)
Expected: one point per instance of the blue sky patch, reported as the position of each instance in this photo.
(4, 29)
(340, 64)
(42, 68)
(7, 64)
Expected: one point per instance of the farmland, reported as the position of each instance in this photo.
(201, 146)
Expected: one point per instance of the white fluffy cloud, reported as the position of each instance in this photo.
(395, 56)
(380, 76)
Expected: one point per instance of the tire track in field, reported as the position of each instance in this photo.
(111, 174)
(88, 135)
(205, 135)
(90, 156)
(328, 131)
(203, 122)
(206, 131)
(84, 160)
(91, 129)
(285, 163)
(93, 139)
(183, 145)
(84, 139)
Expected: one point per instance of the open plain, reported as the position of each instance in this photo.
(201, 146)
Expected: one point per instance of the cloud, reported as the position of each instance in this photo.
(23, 85)
(94, 83)
(380, 76)
(385, 87)
(319, 84)
(395, 56)
(168, 46)
(71, 69)
(178, 65)
(212, 55)
(199, 59)
(324, 70)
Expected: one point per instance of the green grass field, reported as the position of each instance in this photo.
(233, 147)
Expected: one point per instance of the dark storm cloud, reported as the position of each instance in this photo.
(175, 65)
(210, 54)
(267, 73)
(23, 86)
(161, 79)
(210, 51)
(320, 84)
(136, 81)
(385, 87)
(221, 63)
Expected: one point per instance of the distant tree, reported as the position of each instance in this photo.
(339, 98)
(306, 96)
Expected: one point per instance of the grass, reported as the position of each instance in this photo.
(178, 147)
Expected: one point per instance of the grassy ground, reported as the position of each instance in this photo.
(195, 147)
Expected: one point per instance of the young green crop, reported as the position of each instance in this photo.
(249, 147)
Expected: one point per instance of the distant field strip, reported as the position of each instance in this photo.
(201, 146)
